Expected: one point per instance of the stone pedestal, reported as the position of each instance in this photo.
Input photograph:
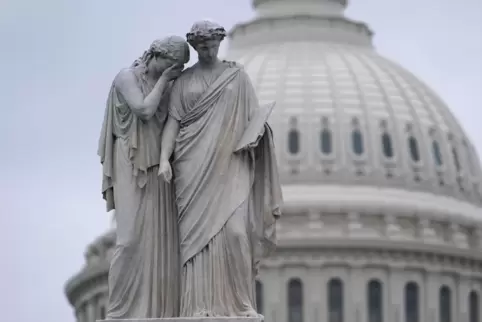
(219, 319)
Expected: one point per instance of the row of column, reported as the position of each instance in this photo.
(92, 309)
(355, 300)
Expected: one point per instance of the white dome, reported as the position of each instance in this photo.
(347, 116)
(381, 184)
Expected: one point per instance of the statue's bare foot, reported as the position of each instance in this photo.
(202, 314)
(250, 314)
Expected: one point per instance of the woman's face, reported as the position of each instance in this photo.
(208, 50)
(159, 64)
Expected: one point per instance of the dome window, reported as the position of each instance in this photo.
(412, 306)
(470, 160)
(259, 297)
(455, 155)
(437, 155)
(357, 142)
(293, 137)
(474, 307)
(445, 304)
(413, 146)
(294, 141)
(326, 142)
(375, 301)
(387, 145)
(295, 300)
(335, 300)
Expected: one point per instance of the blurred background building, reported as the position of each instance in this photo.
(383, 201)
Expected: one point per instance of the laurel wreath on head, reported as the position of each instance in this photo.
(205, 30)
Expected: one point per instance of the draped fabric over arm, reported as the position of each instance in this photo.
(105, 150)
(176, 105)
(142, 137)
(266, 188)
(227, 202)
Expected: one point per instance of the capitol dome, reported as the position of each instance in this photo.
(345, 115)
(382, 219)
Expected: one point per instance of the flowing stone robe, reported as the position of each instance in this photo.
(227, 202)
(144, 272)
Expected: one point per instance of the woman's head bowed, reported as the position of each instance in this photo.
(172, 49)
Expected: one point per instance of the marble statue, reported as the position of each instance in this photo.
(218, 150)
(144, 279)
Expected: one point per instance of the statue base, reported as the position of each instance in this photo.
(192, 319)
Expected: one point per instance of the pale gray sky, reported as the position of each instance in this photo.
(57, 61)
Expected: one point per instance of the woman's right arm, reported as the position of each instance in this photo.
(146, 107)
(169, 135)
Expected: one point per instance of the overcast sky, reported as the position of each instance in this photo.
(57, 61)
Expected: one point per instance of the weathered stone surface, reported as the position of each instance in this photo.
(190, 168)
(216, 319)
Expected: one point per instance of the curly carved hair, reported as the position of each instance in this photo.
(172, 47)
(205, 30)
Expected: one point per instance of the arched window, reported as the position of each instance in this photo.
(471, 158)
(387, 145)
(294, 141)
(259, 297)
(474, 307)
(472, 166)
(445, 304)
(357, 142)
(437, 155)
(413, 147)
(326, 142)
(335, 300)
(412, 305)
(375, 301)
(456, 159)
(295, 300)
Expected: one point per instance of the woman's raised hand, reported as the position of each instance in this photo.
(173, 72)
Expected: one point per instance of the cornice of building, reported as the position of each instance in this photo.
(370, 254)
(371, 199)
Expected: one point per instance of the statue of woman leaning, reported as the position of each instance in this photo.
(144, 273)
(228, 196)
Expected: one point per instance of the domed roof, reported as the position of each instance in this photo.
(344, 114)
